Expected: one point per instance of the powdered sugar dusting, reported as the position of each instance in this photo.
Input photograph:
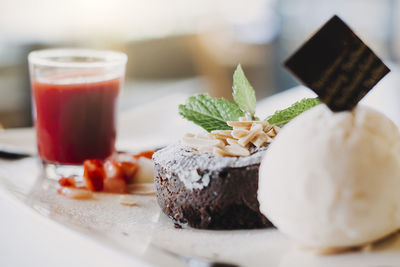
(195, 169)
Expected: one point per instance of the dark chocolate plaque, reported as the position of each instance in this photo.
(337, 65)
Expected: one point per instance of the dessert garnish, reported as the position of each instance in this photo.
(281, 117)
(127, 200)
(235, 142)
(337, 65)
(233, 127)
(209, 192)
(204, 191)
(121, 173)
(330, 180)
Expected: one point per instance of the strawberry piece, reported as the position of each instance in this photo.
(129, 169)
(93, 175)
(147, 154)
(115, 185)
(113, 170)
(114, 177)
(67, 182)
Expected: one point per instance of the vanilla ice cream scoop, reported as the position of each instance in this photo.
(332, 180)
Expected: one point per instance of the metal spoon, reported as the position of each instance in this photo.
(4, 154)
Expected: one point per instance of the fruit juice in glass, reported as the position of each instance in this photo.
(75, 98)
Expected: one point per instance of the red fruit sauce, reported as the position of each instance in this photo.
(75, 122)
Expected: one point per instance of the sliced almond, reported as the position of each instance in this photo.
(276, 129)
(261, 139)
(242, 128)
(237, 151)
(267, 128)
(222, 133)
(223, 139)
(239, 133)
(246, 123)
(196, 142)
(234, 150)
(231, 141)
(241, 124)
(273, 131)
(255, 130)
(234, 142)
(127, 200)
(220, 151)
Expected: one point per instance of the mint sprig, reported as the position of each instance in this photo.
(213, 113)
(243, 92)
(210, 113)
(281, 117)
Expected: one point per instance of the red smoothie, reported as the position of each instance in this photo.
(77, 121)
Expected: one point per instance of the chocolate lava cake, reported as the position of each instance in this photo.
(208, 191)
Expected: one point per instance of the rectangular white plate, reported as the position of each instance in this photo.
(141, 233)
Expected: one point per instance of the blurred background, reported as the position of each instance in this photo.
(178, 46)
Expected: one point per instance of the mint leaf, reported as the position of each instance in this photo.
(210, 113)
(243, 92)
(281, 117)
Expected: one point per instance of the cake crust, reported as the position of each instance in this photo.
(217, 196)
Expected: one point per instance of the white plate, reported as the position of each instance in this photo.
(142, 232)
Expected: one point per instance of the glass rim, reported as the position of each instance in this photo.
(107, 58)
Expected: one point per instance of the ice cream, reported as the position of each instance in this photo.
(332, 180)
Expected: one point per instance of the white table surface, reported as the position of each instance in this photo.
(32, 242)
(27, 240)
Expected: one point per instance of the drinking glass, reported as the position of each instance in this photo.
(74, 94)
